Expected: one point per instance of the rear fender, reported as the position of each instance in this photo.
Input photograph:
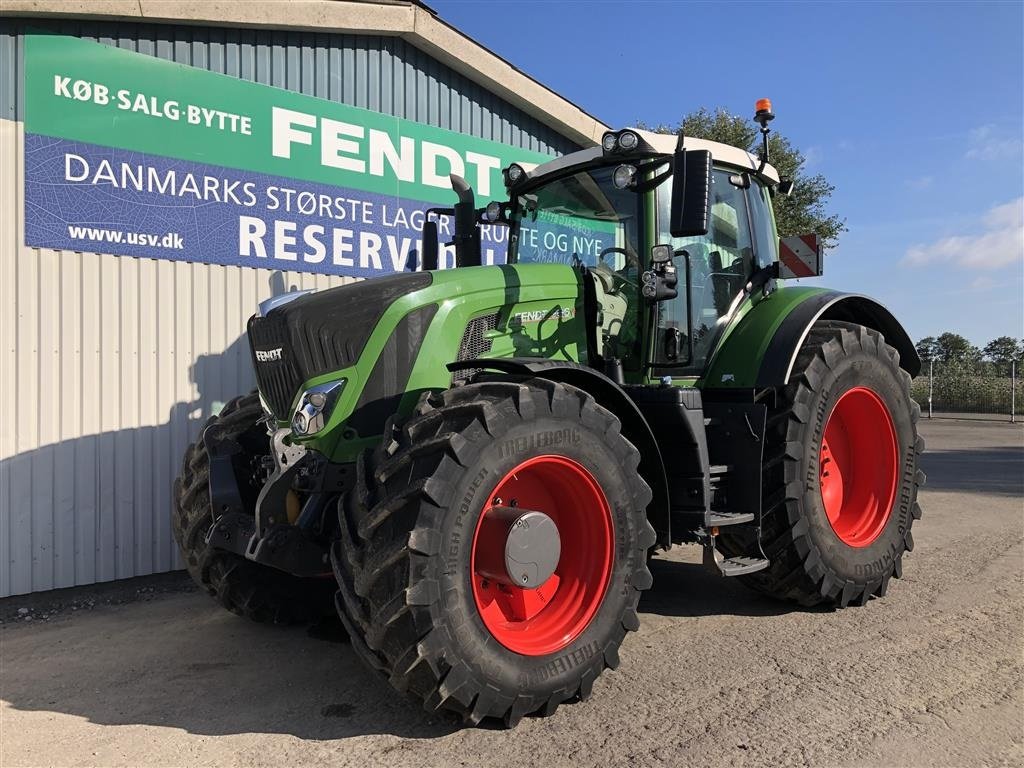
(760, 351)
(606, 392)
(780, 357)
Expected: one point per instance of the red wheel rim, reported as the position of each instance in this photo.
(858, 467)
(535, 622)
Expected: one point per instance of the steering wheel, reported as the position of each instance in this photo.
(616, 275)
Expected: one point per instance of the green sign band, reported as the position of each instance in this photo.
(89, 92)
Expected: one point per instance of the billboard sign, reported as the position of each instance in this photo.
(130, 154)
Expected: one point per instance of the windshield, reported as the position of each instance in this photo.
(585, 219)
(580, 218)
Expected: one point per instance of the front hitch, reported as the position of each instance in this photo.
(288, 458)
(264, 535)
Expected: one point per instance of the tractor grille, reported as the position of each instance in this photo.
(474, 344)
(277, 375)
(320, 333)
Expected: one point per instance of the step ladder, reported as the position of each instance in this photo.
(713, 520)
(732, 566)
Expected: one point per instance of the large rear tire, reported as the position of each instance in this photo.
(840, 473)
(412, 563)
(255, 591)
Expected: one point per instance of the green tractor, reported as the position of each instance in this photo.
(474, 465)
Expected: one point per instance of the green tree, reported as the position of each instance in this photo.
(1002, 352)
(954, 348)
(806, 209)
(928, 349)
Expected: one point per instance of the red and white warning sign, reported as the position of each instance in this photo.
(799, 256)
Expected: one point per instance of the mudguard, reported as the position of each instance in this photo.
(611, 396)
(760, 350)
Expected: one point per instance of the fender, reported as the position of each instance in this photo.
(611, 396)
(780, 357)
(760, 351)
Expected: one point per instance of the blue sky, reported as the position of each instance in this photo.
(913, 111)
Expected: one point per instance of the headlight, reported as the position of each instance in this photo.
(625, 141)
(628, 141)
(314, 406)
(623, 176)
(513, 175)
(493, 211)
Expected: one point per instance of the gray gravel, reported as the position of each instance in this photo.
(930, 675)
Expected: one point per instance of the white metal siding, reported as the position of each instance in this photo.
(110, 364)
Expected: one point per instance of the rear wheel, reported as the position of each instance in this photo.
(840, 474)
(494, 549)
(260, 593)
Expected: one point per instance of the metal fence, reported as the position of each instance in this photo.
(953, 389)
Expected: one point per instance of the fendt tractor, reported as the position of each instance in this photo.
(474, 466)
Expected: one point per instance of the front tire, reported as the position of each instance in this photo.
(413, 586)
(260, 593)
(840, 473)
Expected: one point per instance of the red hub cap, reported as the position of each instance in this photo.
(858, 467)
(547, 618)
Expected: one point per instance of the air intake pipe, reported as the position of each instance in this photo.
(466, 237)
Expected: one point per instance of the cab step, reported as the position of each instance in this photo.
(732, 566)
(722, 519)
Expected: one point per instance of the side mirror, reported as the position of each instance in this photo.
(691, 193)
(428, 247)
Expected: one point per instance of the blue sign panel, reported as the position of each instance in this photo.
(86, 197)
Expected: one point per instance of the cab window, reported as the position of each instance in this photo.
(765, 239)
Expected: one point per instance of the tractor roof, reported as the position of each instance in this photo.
(666, 142)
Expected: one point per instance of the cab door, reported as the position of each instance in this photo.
(716, 267)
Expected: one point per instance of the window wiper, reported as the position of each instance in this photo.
(561, 211)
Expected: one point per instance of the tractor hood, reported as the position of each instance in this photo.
(392, 336)
(319, 333)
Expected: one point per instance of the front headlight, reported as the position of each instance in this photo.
(314, 406)
(513, 175)
(624, 176)
(628, 141)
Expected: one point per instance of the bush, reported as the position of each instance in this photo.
(955, 389)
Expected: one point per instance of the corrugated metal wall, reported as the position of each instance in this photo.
(109, 365)
(385, 74)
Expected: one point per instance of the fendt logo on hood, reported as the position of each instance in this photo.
(538, 315)
(268, 355)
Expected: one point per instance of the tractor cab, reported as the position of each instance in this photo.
(671, 234)
(664, 291)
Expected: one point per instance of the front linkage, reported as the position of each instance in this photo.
(280, 534)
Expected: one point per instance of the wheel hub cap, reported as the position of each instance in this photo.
(525, 542)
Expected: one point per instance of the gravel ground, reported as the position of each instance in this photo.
(149, 672)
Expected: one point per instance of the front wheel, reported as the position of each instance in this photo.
(493, 552)
(249, 589)
(841, 473)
